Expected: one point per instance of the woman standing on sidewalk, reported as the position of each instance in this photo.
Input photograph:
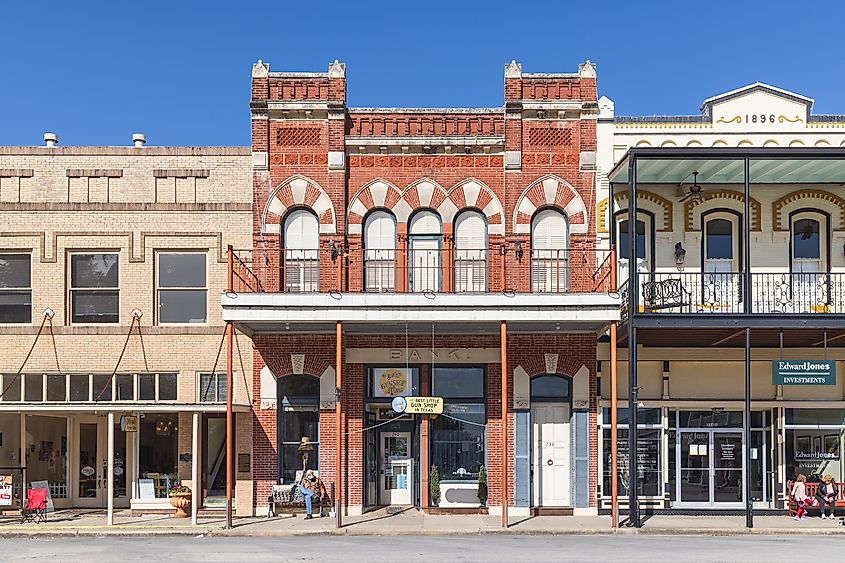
(827, 493)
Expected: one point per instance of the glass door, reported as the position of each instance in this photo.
(89, 489)
(711, 468)
(694, 462)
(727, 468)
(396, 468)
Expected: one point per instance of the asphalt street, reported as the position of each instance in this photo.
(485, 548)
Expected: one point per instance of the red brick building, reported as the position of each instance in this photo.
(427, 248)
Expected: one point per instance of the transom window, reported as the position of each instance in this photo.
(212, 388)
(15, 288)
(94, 288)
(182, 292)
(89, 387)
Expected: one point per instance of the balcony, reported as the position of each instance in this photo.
(308, 290)
(418, 270)
(772, 293)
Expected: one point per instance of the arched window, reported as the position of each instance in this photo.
(301, 243)
(380, 251)
(549, 252)
(471, 252)
(721, 287)
(643, 230)
(809, 262)
(424, 241)
(298, 418)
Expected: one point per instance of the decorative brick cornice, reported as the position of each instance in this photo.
(16, 172)
(94, 173)
(180, 173)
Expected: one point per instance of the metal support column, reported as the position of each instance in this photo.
(230, 427)
(614, 410)
(196, 482)
(110, 471)
(504, 454)
(338, 423)
(749, 505)
(633, 311)
(747, 293)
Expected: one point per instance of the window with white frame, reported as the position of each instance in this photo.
(182, 289)
(94, 288)
(470, 252)
(808, 244)
(15, 288)
(212, 388)
(424, 240)
(90, 387)
(549, 253)
(380, 251)
(302, 251)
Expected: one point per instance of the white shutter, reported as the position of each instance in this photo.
(380, 251)
(425, 223)
(549, 231)
(471, 252)
(425, 251)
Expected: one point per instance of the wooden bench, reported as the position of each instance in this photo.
(287, 499)
(812, 489)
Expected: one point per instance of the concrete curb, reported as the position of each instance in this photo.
(206, 532)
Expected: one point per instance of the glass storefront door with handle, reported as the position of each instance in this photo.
(711, 468)
(396, 468)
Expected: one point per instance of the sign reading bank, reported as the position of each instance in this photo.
(803, 372)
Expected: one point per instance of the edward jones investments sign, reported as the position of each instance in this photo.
(803, 372)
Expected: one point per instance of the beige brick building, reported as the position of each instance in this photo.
(107, 239)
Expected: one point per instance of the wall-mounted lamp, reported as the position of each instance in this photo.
(517, 249)
(503, 250)
(680, 254)
(335, 249)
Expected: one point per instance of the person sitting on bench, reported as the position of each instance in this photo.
(309, 486)
(827, 493)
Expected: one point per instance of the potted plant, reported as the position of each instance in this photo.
(434, 485)
(180, 499)
(482, 485)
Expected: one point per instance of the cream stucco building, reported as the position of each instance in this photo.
(112, 263)
(700, 282)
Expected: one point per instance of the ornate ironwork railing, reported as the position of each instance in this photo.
(723, 293)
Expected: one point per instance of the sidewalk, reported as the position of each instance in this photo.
(409, 522)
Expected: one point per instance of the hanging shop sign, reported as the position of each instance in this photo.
(424, 405)
(391, 382)
(129, 423)
(803, 372)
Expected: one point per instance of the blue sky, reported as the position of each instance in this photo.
(95, 72)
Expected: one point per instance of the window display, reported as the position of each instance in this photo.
(158, 451)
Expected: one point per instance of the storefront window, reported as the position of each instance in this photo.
(46, 452)
(158, 453)
(10, 447)
(459, 436)
(299, 418)
(814, 439)
(389, 382)
(649, 442)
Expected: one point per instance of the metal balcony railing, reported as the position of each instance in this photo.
(501, 268)
(723, 293)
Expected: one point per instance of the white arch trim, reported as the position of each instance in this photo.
(297, 191)
(552, 191)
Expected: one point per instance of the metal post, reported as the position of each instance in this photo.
(196, 489)
(614, 392)
(746, 243)
(338, 422)
(230, 428)
(504, 453)
(633, 311)
(23, 458)
(749, 508)
(110, 472)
